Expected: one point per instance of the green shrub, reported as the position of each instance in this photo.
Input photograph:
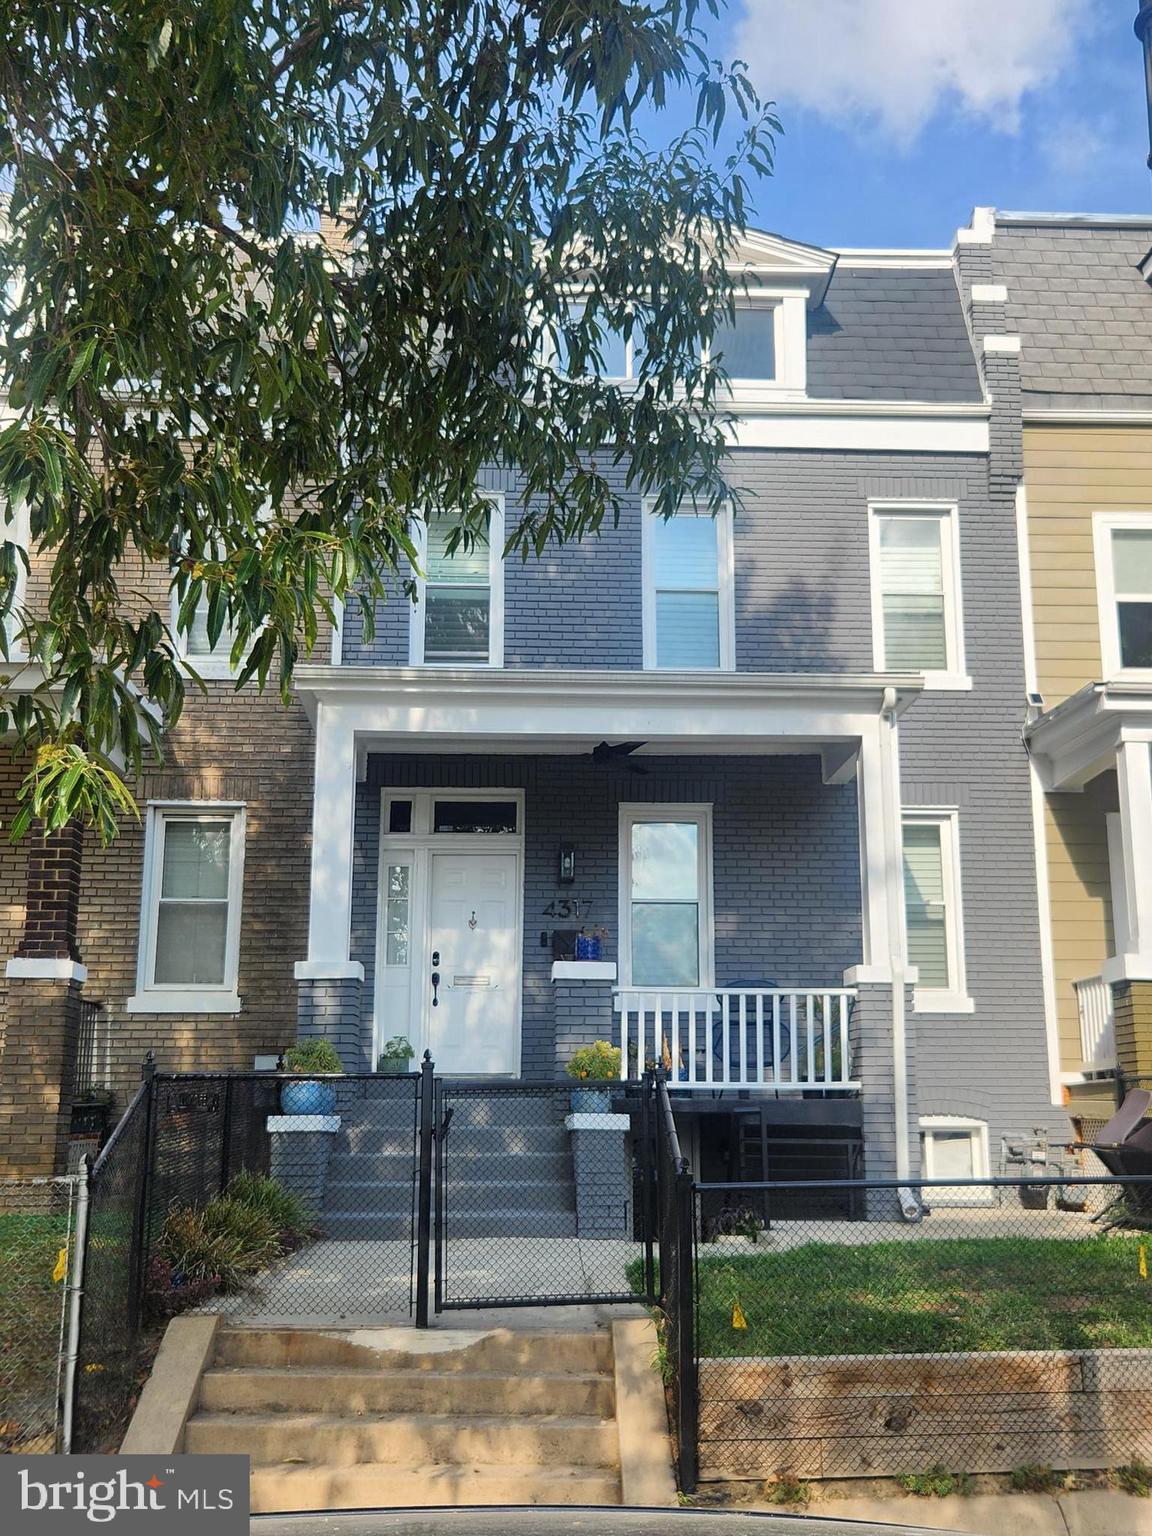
(283, 1209)
(1135, 1478)
(787, 1489)
(312, 1056)
(937, 1483)
(595, 1063)
(224, 1241)
(1035, 1478)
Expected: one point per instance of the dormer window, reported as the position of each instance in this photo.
(747, 344)
(619, 356)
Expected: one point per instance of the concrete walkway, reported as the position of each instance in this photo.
(365, 1282)
(1091, 1513)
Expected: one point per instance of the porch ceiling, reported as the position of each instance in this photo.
(1077, 740)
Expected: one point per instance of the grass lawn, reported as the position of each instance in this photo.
(30, 1311)
(901, 1297)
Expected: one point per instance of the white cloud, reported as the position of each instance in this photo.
(896, 63)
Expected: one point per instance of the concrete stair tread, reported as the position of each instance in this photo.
(393, 1372)
(290, 1486)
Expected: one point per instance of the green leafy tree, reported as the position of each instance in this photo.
(199, 383)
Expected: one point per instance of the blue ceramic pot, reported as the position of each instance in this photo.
(591, 1101)
(308, 1097)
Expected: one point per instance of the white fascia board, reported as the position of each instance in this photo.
(924, 259)
(1085, 417)
(440, 709)
(1078, 739)
(866, 427)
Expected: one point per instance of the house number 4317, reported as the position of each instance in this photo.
(568, 906)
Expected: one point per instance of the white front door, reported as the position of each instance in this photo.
(472, 1014)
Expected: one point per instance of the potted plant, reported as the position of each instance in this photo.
(395, 1054)
(598, 1063)
(308, 1058)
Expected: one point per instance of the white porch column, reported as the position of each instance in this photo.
(1134, 779)
(885, 968)
(333, 814)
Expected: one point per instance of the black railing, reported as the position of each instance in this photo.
(677, 1289)
(91, 1071)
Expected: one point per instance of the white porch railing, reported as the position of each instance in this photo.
(781, 1038)
(1097, 1026)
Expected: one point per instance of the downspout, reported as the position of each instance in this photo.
(890, 780)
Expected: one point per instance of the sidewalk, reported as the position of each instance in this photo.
(1091, 1513)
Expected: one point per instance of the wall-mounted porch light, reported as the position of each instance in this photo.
(566, 871)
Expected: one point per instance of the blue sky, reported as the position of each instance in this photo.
(901, 115)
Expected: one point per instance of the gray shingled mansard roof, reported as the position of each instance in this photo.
(891, 333)
(1081, 307)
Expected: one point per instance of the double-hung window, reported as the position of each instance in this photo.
(666, 895)
(916, 614)
(1124, 585)
(615, 355)
(688, 582)
(932, 910)
(459, 617)
(190, 918)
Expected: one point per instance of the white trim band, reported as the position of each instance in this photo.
(583, 970)
(46, 968)
(328, 970)
(989, 293)
(1006, 345)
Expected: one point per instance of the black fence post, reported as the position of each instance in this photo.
(226, 1136)
(424, 1193)
(648, 1182)
(688, 1386)
(137, 1264)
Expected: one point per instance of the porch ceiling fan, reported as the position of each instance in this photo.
(609, 752)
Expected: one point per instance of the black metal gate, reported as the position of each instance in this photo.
(351, 1165)
(542, 1193)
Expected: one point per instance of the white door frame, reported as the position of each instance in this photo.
(419, 844)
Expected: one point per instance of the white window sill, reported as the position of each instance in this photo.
(942, 1002)
(211, 669)
(183, 1002)
(947, 682)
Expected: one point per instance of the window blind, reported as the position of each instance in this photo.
(912, 589)
(925, 905)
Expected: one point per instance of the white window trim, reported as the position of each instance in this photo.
(1104, 524)
(495, 593)
(790, 340)
(150, 997)
(954, 678)
(632, 813)
(725, 587)
(981, 1161)
(955, 998)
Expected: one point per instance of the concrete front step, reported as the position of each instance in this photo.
(413, 1439)
(463, 1163)
(346, 1391)
(411, 1349)
(290, 1487)
(495, 1222)
(395, 1195)
(368, 1140)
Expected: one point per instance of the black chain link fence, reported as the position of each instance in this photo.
(1007, 1326)
(110, 1345)
(542, 1192)
(37, 1223)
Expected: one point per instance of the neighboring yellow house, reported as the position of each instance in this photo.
(1072, 289)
